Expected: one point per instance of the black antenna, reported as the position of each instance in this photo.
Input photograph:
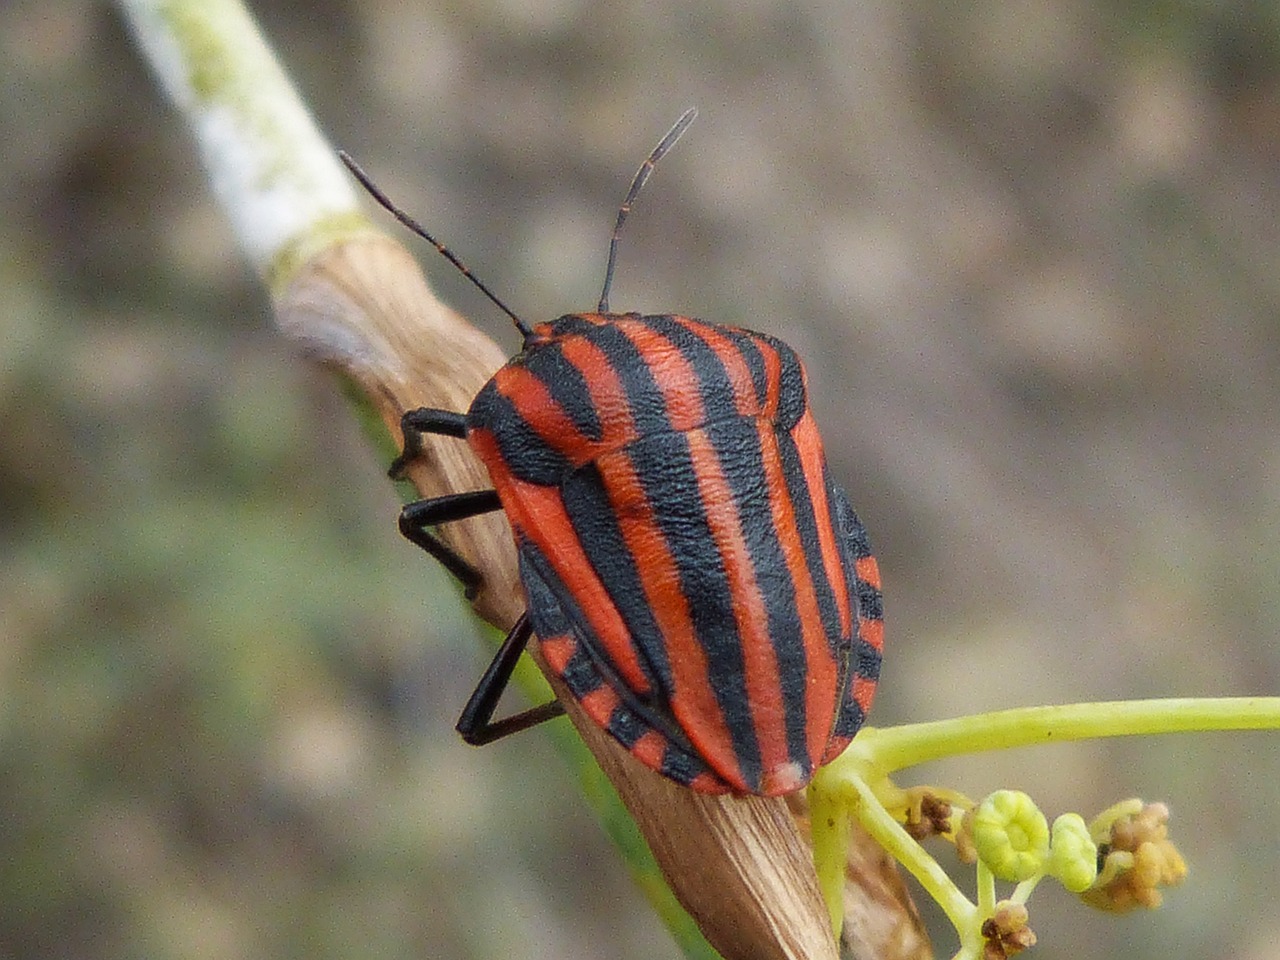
(417, 228)
(642, 175)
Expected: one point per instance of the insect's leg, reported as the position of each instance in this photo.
(424, 420)
(476, 724)
(416, 517)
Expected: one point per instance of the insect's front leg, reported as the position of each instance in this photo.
(415, 424)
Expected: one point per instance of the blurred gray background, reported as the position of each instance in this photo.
(1028, 250)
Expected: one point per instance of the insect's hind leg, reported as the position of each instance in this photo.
(476, 725)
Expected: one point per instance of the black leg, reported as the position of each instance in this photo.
(415, 423)
(416, 517)
(476, 724)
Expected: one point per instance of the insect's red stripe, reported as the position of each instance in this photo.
(787, 742)
(616, 526)
(807, 531)
(773, 377)
(695, 701)
(607, 392)
(536, 405)
(864, 692)
(557, 537)
(671, 372)
(760, 663)
(708, 783)
(650, 749)
(557, 651)
(651, 556)
(693, 695)
(631, 510)
(822, 695)
(741, 382)
(537, 513)
(809, 445)
(868, 570)
(599, 704)
(872, 631)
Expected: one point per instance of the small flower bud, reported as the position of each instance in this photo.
(1073, 857)
(1006, 932)
(1011, 835)
(928, 814)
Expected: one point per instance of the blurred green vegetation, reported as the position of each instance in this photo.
(1029, 252)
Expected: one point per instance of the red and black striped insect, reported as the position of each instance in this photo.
(694, 576)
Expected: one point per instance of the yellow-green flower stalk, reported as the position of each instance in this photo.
(1120, 861)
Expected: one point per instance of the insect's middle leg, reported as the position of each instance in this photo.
(417, 517)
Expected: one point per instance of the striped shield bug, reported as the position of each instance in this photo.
(694, 576)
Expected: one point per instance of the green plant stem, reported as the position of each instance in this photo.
(986, 890)
(862, 803)
(893, 748)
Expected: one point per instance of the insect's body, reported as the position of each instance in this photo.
(692, 573)
(703, 589)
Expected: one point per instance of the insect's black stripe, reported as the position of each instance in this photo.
(625, 726)
(737, 443)
(864, 663)
(549, 618)
(645, 401)
(870, 600)
(596, 529)
(524, 453)
(864, 659)
(792, 398)
(801, 498)
(568, 387)
(664, 464)
(570, 324)
(754, 359)
(715, 388)
(851, 717)
(583, 676)
(681, 765)
(867, 659)
(580, 674)
(851, 537)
